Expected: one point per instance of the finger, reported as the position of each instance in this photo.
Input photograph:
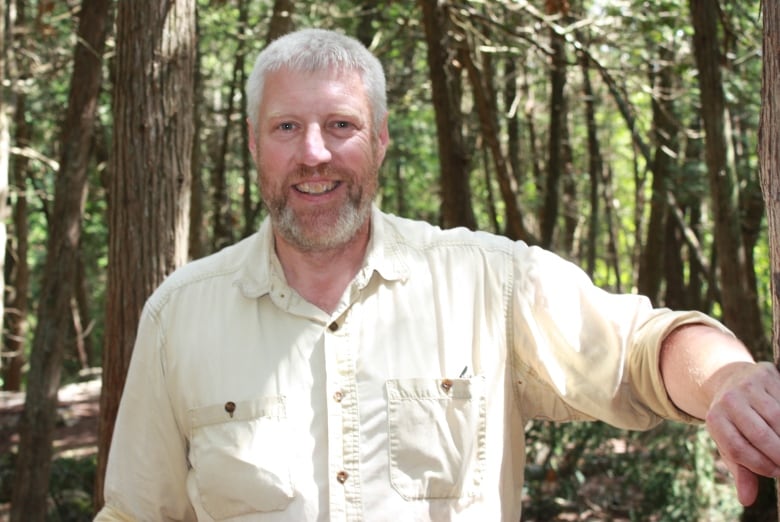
(745, 422)
(746, 483)
(736, 447)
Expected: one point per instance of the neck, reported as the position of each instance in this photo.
(321, 276)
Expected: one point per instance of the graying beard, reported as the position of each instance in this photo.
(351, 218)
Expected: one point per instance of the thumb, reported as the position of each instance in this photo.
(746, 483)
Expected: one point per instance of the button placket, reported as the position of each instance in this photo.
(343, 417)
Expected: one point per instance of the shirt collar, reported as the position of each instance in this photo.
(261, 268)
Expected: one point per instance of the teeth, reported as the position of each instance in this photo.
(316, 187)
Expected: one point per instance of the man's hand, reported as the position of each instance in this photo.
(744, 421)
(709, 374)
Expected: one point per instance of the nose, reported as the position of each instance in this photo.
(315, 150)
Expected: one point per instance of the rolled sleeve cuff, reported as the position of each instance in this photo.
(644, 363)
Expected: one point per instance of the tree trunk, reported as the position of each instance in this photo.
(651, 266)
(741, 311)
(17, 270)
(485, 101)
(555, 155)
(82, 318)
(454, 162)
(223, 217)
(5, 151)
(36, 425)
(739, 301)
(150, 182)
(197, 241)
(769, 161)
(595, 165)
(281, 20)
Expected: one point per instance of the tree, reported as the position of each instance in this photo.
(740, 304)
(445, 78)
(150, 179)
(5, 149)
(556, 157)
(769, 157)
(54, 311)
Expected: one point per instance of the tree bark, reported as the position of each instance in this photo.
(456, 209)
(739, 301)
(197, 236)
(5, 152)
(36, 425)
(17, 269)
(555, 155)
(651, 266)
(150, 182)
(595, 165)
(769, 161)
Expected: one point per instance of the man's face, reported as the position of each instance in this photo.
(317, 156)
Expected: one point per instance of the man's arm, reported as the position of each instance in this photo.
(711, 375)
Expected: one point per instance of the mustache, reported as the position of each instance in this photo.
(304, 172)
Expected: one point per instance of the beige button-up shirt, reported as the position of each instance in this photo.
(244, 402)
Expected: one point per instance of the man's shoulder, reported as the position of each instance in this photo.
(222, 268)
(421, 235)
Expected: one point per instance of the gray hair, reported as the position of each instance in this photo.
(310, 50)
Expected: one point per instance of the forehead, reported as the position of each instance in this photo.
(287, 88)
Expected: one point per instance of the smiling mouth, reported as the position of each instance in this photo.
(316, 188)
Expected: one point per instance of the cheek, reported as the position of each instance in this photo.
(268, 163)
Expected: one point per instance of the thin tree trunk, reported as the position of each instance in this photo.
(595, 166)
(281, 20)
(612, 250)
(19, 269)
(81, 310)
(485, 100)
(5, 151)
(150, 183)
(36, 427)
(651, 266)
(555, 160)
(456, 208)
(769, 161)
(197, 236)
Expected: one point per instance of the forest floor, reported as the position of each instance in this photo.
(75, 435)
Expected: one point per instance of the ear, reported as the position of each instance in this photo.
(383, 140)
(252, 140)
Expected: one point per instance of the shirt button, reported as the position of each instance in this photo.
(338, 396)
(446, 384)
(342, 476)
(333, 326)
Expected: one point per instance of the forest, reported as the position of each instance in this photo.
(622, 135)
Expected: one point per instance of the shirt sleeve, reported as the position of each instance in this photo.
(147, 465)
(581, 353)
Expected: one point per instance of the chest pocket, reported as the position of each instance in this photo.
(436, 436)
(239, 454)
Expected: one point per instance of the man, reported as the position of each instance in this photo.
(345, 364)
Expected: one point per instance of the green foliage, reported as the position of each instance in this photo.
(667, 474)
(70, 488)
(72, 482)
